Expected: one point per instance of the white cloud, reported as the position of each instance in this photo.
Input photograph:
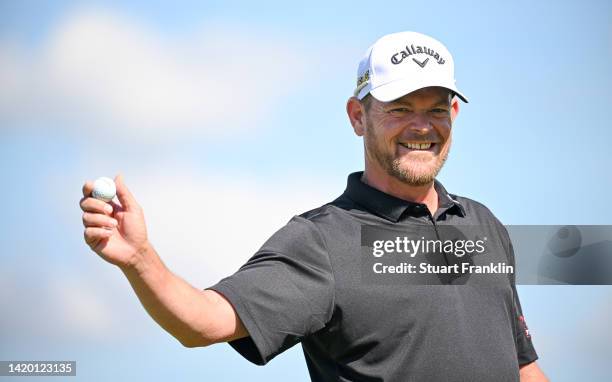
(99, 70)
(206, 227)
(81, 307)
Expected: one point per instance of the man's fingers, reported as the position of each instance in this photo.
(124, 195)
(87, 188)
(96, 206)
(116, 206)
(98, 220)
(95, 234)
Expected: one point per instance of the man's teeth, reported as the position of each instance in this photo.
(417, 146)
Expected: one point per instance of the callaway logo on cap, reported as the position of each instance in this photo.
(400, 63)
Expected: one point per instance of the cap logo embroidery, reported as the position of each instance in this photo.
(421, 64)
(398, 57)
(364, 78)
(362, 82)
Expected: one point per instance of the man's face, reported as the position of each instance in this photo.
(410, 138)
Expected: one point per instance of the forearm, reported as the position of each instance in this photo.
(532, 373)
(179, 308)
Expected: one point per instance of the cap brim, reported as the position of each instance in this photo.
(397, 89)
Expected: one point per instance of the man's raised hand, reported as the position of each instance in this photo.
(116, 232)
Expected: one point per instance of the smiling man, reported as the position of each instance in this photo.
(397, 155)
(305, 284)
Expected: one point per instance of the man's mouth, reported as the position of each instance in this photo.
(418, 145)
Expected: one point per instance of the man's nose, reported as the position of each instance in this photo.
(420, 123)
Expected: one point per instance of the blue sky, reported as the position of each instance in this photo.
(212, 109)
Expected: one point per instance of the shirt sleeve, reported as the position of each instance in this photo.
(524, 347)
(525, 351)
(283, 293)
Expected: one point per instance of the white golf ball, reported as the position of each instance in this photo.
(104, 189)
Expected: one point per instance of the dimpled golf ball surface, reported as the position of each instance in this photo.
(104, 189)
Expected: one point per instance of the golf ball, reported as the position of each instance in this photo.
(104, 189)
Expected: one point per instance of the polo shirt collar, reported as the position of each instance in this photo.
(390, 207)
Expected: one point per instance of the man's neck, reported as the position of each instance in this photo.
(425, 194)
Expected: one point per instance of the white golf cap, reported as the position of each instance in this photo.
(400, 63)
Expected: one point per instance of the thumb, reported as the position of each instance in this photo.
(124, 195)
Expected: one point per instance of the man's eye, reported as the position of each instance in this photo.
(399, 110)
(439, 111)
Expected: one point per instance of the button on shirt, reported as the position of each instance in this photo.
(305, 286)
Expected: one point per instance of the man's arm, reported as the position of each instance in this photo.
(117, 233)
(192, 316)
(531, 372)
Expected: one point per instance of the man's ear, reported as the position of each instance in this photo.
(454, 108)
(356, 113)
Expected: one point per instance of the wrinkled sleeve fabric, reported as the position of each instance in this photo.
(524, 347)
(283, 293)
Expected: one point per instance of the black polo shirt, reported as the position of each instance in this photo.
(305, 285)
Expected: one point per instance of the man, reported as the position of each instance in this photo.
(305, 283)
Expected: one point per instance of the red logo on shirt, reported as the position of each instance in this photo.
(524, 326)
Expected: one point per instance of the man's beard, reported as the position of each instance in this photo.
(413, 174)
